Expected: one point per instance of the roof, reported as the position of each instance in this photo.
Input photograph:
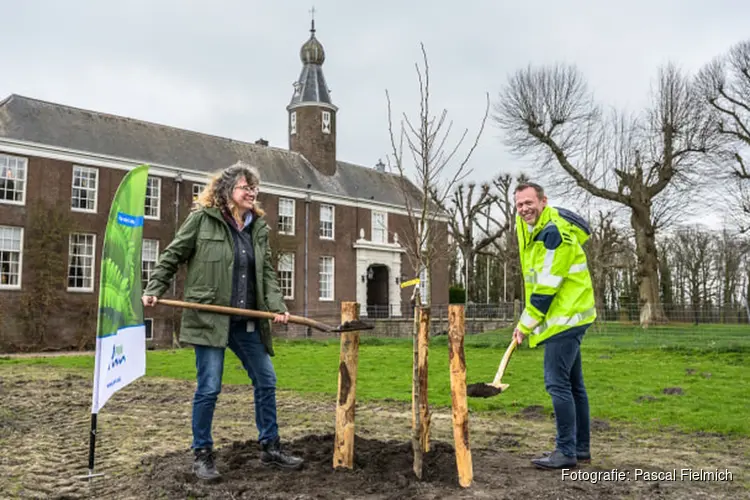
(35, 121)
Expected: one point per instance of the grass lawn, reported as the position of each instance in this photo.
(626, 371)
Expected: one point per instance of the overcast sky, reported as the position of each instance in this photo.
(227, 67)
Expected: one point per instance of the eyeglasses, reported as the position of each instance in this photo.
(247, 189)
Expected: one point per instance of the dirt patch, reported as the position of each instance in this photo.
(673, 390)
(645, 399)
(144, 436)
(534, 412)
(599, 425)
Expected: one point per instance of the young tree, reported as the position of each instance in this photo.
(419, 149)
(548, 113)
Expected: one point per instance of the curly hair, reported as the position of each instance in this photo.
(218, 191)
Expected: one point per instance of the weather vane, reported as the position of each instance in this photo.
(312, 14)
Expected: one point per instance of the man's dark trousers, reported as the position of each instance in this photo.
(563, 379)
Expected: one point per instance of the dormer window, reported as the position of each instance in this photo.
(326, 122)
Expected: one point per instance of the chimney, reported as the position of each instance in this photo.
(261, 142)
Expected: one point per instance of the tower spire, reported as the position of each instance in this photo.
(312, 115)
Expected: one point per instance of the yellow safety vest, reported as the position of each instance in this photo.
(559, 294)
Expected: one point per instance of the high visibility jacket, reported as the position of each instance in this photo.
(559, 294)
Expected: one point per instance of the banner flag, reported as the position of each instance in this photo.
(120, 331)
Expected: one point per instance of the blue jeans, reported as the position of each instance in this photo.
(209, 363)
(563, 378)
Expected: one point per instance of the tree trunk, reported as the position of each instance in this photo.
(648, 266)
(424, 408)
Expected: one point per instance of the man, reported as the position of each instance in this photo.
(559, 308)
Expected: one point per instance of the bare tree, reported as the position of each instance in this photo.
(465, 210)
(505, 185)
(605, 253)
(549, 114)
(725, 86)
(437, 168)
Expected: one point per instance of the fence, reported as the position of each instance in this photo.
(398, 321)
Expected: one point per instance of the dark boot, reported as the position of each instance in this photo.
(581, 456)
(271, 454)
(555, 460)
(204, 465)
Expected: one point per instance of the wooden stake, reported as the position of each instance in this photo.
(456, 333)
(343, 448)
(422, 374)
(416, 429)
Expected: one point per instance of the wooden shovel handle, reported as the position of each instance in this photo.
(504, 362)
(251, 313)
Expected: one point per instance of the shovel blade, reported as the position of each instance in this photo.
(483, 390)
(353, 326)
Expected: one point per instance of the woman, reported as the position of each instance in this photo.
(225, 245)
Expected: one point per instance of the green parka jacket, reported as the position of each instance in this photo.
(204, 242)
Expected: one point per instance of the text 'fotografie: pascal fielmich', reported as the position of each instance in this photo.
(644, 475)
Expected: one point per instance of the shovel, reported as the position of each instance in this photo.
(349, 326)
(482, 390)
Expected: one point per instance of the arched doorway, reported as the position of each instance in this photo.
(377, 291)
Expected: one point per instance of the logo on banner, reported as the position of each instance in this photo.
(118, 357)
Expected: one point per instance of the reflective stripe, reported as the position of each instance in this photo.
(550, 279)
(565, 320)
(577, 268)
(526, 320)
(546, 277)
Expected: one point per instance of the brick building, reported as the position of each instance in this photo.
(338, 228)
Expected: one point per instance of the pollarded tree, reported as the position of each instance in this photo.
(549, 114)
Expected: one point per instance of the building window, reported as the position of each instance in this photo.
(326, 222)
(286, 216)
(149, 324)
(85, 185)
(326, 122)
(293, 123)
(149, 256)
(11, 257)
(326, 278)
(286, 275)
(197, 190)
(379, 227)
(153, 194)
(12, 179)
(81, 262)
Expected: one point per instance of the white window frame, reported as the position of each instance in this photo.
(144, 261)
(324, 234)
(20, 258)
(197, 190)
(157, 198)
(375, 230)
(95, 190)
(292, 202)
(325, 275)
(7, 164)
(92, 264)
(288, 259)
(325, 122)
(293, 123)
